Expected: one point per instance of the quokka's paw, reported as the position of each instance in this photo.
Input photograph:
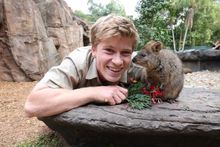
(156, 100)
(171, 101)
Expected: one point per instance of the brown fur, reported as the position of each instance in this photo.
(163, 66)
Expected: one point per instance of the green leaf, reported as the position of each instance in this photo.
(139, 101)
(135, 88)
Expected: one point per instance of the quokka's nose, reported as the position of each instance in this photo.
(134, 60)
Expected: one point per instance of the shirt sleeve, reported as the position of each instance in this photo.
(71, 72)
(65, 75)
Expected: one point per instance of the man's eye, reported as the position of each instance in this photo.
(109, 51)
(126, 53)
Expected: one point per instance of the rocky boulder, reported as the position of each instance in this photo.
(192, 121)
(35, 35)
(203, 59)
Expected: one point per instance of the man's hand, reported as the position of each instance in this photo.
(110, 94)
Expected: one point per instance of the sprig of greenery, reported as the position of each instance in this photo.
(135, 88)
(139, 101)
(136, 99)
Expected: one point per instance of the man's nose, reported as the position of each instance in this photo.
(117, 60)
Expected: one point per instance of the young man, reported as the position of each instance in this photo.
(88, 74)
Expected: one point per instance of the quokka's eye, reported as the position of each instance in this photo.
(142, 54)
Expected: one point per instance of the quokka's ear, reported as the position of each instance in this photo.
(157, 47)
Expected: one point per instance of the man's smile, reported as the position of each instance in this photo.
(114, 70)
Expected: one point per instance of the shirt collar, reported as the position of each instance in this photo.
(92, 73)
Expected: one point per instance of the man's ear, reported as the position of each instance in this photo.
(93, 49)
(157, 47)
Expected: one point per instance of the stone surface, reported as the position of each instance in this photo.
(35, 35)
(192, 121)
(204, 59)
(61, 27)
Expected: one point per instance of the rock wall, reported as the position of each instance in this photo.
(35, 35)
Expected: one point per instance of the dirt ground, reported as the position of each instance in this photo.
(16, 127)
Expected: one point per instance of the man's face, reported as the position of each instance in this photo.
(113, 56)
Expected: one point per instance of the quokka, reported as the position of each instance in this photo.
(163, 67)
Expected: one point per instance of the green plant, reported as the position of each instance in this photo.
(178, 23)
(44, 140)
(139, 101)
(136, 99)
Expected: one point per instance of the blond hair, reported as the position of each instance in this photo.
(111, 26)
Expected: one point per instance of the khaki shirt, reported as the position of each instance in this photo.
(78, 69)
